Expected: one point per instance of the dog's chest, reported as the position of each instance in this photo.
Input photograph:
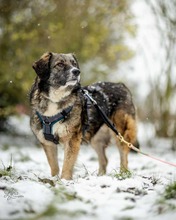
(51, 110)
(59, 128)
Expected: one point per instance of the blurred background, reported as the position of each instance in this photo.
(132, 41)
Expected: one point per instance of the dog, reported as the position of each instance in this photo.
(60, 113)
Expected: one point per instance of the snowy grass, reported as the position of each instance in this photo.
(122, 174)
(170, 191)
(27, 191)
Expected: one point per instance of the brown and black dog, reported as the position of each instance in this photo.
(61, 113)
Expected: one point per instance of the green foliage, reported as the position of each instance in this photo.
(167, 200)
(50, 211)
(91, 29)
(62, 195)
(54, 211)
(6, 171)
(170, 191)
(5, 147)
(122, 174)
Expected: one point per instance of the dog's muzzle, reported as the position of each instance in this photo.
(75, 71)
(74, 75)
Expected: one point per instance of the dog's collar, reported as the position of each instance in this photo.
(48, 122)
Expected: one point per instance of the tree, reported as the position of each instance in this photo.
(94, 30)
(162, 96)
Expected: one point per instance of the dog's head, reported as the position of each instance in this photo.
(58, 70)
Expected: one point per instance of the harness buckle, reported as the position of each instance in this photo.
(46, 122)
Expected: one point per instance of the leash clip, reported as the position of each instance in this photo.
(86, 93)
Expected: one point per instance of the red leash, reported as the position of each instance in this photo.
(120, 137)
(158, 159)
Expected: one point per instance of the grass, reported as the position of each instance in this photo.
(62, 196)
(167, 200)
(53, 211)
(122, 174)
(49, 212)
(155, 180)
(5, 147)
(170, 191)
(6, 171)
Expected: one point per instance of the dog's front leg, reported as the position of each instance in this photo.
(51, 154)
(71, 150)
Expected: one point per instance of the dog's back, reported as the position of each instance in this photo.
(111, 97)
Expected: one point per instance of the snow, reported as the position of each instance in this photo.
(23, 197)
(27, 191)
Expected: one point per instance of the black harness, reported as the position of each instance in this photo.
(48, 122)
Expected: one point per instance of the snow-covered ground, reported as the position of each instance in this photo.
(28, 192)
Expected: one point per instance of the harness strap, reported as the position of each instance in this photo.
(100, 111)
(48, 122)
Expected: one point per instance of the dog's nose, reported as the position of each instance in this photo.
(75, 71)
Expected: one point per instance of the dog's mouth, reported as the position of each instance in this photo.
(74, 80)
(71, 81)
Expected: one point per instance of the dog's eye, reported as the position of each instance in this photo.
(60, 65)
(73, 63)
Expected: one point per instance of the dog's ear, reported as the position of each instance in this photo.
(74, 56)
(42, 66)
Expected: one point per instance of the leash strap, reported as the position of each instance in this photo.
(119, 136)
(101, 112)
(48, 122)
